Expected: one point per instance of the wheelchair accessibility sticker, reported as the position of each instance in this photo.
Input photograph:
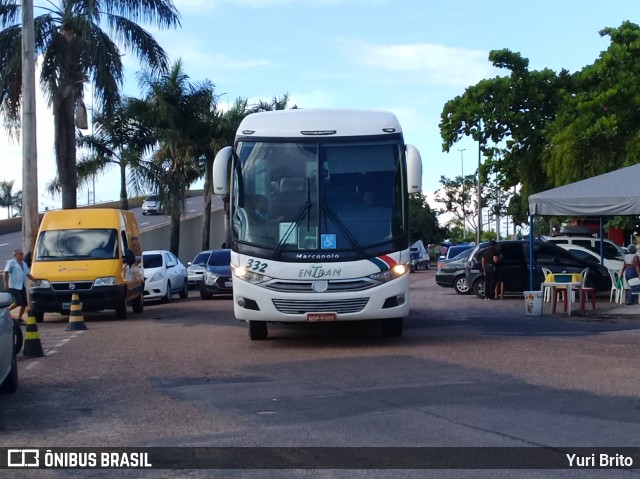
(328, 241)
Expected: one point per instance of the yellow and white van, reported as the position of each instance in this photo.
(95, 252)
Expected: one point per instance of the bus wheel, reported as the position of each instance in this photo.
(258, 330)
(392, 327)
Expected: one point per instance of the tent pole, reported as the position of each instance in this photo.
(532, 263)
(601, 241)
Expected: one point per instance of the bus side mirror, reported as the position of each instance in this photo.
(414, 169)
(129, 257)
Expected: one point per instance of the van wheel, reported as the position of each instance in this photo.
(121, 310)
(39, 316)
(184, 293)
(167, 295)
(10, 384)
(392, 327)
(258, 330)
(138, 304)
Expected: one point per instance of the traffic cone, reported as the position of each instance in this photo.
(76, 320)
(32, 346)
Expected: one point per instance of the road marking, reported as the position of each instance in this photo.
(4, 244)
(145, 223)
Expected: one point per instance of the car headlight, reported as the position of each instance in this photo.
(210, 278)
(390, 274)
(105, 281)
(41, 283)
(157, 276)
(250, 276)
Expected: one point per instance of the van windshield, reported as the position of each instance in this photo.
(67, 245)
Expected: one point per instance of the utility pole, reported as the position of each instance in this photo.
(464, 213)
(29, 139)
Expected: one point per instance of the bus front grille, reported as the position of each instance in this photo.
(333, 286)
(344, 306)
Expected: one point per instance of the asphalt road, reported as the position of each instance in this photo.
(466, 372)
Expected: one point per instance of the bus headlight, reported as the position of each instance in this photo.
(393, 273)
(250, 276)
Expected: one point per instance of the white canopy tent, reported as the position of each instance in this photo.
(616, 193)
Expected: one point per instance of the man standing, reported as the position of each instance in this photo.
(489, 269)
(15, 277)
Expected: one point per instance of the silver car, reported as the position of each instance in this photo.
(195, 268)
(10, 344)
(151, 205)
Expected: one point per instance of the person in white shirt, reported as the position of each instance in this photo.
(15, 277)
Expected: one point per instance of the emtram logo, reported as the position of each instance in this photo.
(23, 458)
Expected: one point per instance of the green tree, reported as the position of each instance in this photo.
(9, 199)
(175, 109)
(76, 50)
(508, 116)
(597, 128)
(423, 223)
(118, 140)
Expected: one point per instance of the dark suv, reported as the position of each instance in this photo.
(515, 266)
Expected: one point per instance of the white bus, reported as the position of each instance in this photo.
(319, 217)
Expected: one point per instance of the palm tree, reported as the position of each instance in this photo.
(119, 139)
(216, 134)
(76, 50)
(175, 109)
(8, 199)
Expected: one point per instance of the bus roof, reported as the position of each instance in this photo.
(307, 123)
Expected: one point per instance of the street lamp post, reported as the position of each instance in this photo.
(464, 214)
(479, 230)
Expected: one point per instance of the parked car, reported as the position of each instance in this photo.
(151, 205)
(455, 250)
(195, 268)
(610, 248)
(452, 272)
(164, 275)
(515, 266)
(610, 262)
(10, 344)
(217, 277)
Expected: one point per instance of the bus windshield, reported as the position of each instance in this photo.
(319, 196)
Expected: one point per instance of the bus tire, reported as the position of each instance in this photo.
(258, 330)
(392, 327)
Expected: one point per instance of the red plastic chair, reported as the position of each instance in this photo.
(586, 292)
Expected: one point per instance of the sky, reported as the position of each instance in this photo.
(406, 56)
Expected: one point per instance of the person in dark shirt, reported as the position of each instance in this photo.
(489, 270)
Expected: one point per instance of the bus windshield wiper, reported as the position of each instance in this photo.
(304, 211)
(343, 229)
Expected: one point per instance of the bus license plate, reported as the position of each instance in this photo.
(320, 317)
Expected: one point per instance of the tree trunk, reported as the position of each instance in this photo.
(124, 202)
(174, 236)
(206, 213)
(65, 147)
